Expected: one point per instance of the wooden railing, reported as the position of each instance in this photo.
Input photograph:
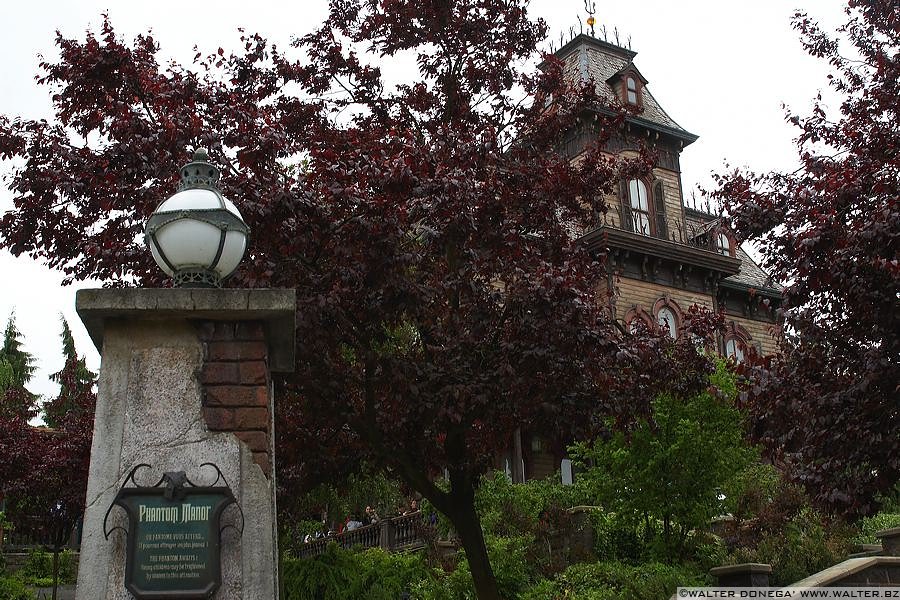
(22, 539)
(398, 533)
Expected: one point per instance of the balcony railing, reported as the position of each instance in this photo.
(398, 533)
(679, 231)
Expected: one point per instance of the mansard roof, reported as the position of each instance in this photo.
(588, 59)
(752, 276)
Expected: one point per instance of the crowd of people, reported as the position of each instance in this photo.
(351, 522)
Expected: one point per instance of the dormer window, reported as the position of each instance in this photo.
(628, 84)
(723, 244)
(631, 90)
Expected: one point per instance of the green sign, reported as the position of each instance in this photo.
(173, 540)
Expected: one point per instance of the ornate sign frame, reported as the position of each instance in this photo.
(174, 535)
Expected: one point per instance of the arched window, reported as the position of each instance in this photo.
(640, 207)
(637, 318)
(667, 321)
(631, 90)
(668, 316)
(736, 341)
(735, 348)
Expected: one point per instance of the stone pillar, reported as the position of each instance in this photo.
(890, 541)
(185, 379)
(742, 575)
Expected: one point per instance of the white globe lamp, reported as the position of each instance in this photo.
(197, 236)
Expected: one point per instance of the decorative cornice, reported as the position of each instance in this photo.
(611, 237)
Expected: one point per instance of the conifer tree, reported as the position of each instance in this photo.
(74, 380)
(21, 363)
(16, 368)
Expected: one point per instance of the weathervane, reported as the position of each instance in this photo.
(591, 8)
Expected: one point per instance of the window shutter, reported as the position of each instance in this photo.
(625, 203)
(659, 200)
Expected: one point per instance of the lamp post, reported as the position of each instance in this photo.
(197, 236)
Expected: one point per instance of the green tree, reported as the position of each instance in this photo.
(74, 379)
(20, 363)
(667, 474)
(16, 368)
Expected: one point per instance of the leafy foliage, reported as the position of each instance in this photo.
(18, 364)
(536, 513)
(508, 509)
(616, 581)
(870, 525)
(17, 404)
(775, 524)
(830, 230)
(13, 589)
(38, 568)
(353, 575)
(667, 475)
(510, 564)
(47, 469)
(801, 546)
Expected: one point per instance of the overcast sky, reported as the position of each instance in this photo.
(721, 68)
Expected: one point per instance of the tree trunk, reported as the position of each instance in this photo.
(55, 570)
(468, 526)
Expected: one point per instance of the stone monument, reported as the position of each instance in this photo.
(181, 489)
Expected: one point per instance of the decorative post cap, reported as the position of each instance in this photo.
(199, 173)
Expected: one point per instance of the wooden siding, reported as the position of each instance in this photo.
(644, 294)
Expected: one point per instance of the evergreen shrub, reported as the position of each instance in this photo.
(14, 589)
(340, 574)
(615, 580)
(869, 525)
(38, 568)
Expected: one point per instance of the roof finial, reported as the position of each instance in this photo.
(590, 8)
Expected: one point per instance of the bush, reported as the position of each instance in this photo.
(868, 527)
(13, 589)
(38, 568)
(617, 540)
(340, 574)
(506, 508)
(509, 562)
(666, 477)
(616, 581)
(802, 547)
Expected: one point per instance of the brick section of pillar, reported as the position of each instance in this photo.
(235, 380)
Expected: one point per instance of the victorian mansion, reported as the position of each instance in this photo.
(663, 256)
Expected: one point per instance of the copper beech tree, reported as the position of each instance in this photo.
(43, 471)
(443, 300)
(829, 409)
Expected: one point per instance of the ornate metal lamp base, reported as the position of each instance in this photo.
(197, 278)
